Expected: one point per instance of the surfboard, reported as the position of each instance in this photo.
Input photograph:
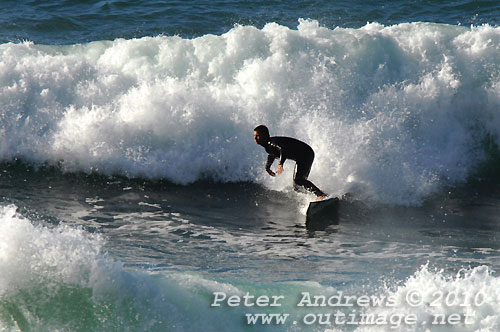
(323, 210)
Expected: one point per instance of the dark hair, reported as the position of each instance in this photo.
(262, 130)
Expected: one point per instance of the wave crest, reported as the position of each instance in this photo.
(399, 111)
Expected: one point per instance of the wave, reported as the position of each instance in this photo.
(60, 278)
(396, 112)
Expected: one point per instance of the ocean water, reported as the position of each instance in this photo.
(133, 198)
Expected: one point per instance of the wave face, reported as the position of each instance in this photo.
(398, 111)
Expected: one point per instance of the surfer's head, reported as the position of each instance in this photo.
(261, 135)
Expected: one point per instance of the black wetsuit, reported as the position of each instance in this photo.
(290, 148)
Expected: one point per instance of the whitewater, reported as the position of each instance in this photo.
(132, 194)
(394, 113)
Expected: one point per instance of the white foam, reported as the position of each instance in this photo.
(471, 299)
(396, 112)
(33, 255)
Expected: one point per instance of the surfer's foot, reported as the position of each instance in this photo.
(320, 198)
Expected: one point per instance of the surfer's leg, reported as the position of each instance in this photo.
(308, 185)
(302, 169)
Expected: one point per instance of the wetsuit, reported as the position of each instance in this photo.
(290, 148)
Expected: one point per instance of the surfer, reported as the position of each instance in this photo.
(288, 148)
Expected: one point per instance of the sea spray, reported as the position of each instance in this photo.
(394, 112)
(440, 302)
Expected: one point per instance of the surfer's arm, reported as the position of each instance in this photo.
(282, 160)
(282, 156)
(270, 160)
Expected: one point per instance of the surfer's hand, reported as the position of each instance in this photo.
(280, 169)
(270, 172)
